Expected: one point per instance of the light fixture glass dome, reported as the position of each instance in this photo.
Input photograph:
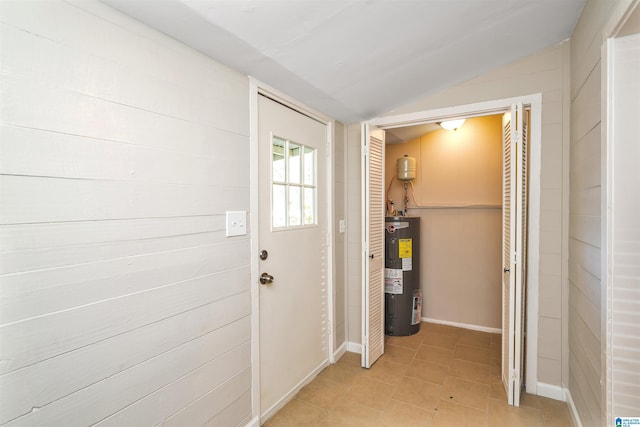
(452, 124)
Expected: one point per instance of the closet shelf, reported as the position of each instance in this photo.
(456, 207)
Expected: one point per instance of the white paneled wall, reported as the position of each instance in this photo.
(585, 224)
(340, 201)
(354, 235)
(121, 300)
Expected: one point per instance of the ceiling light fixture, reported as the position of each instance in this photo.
(452, 124)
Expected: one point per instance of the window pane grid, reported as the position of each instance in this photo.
(293, 184)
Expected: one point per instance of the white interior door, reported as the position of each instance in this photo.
(373, 248)
(293, 232)
(514, 221)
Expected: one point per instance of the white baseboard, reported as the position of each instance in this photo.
(354, 347)
(463, 325)
(573, 411)
(287, 397)
(254, 422)
(551, 391)
(340, 351)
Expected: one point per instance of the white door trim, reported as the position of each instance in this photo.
(534, 102)
(612, 29)
(257, 88)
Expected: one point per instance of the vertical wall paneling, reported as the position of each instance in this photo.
(121, 300)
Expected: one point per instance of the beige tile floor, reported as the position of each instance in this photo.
(442, 376)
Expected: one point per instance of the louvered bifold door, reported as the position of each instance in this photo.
(373, 247)
(514, 250)
(521, 250)
(507, 244)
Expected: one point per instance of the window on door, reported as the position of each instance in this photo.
(293, 184)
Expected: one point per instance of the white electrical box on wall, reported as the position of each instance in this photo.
(236, 223)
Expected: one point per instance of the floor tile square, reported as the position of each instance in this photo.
(438, 339)
(471, 371)
(386, 371)
(423, 394)
(501, 414)
(427, 371)
(475, 339)
(296, 413)
(371, 393)
(323, 392)
(405, 415)
(451, 414)
(399, 354)
(473, 354)
(437, 355)
(411, 341)
(466, 393)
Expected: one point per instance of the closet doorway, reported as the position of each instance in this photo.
(468, 201)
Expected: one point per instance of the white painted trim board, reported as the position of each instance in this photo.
(354, 347)
(573, 411)
(551, 391)
(291, 394)
(463, 325)
(340, 352)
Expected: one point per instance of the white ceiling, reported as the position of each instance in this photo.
(355, 60)
(407, 133)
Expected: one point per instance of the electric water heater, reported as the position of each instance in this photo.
(403, 297)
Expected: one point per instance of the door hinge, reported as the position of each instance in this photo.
(514, 375)
(327, 149)
(515, 258)
(365, 150)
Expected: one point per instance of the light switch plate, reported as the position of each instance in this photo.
(236, 223)
(342, 225)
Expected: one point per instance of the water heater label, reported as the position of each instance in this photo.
(393, 226)
(405, 248)
(407, 264)
(393, 283)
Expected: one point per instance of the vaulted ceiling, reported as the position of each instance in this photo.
(356, 59)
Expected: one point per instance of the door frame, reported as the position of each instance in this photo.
(257, 88)
(534, 102)
(613, 29)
